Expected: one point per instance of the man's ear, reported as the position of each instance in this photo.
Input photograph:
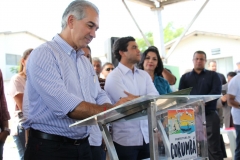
(70, 21)
(121, 53)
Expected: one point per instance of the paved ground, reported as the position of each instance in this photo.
(10, 150)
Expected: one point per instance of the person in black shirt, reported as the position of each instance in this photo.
(212, 66)
(205, 82)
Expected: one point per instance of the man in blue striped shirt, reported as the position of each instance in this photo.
(63, 87)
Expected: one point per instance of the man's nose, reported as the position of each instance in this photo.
(93, 33)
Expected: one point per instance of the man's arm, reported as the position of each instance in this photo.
(4, 134)
(182, 84)
(216, 85)
(4, 112)
(169, 77)
(231, 101)
(86, 109)
(232, 92)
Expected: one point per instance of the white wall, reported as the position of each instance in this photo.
(15, 44)
(182, 56)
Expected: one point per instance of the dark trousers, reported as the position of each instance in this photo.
(98, 153)
(132, 152)
(41, 149)
(213, 136)
(1, 150)
(237, 150)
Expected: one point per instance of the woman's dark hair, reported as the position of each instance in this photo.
(231, 74)
(89, 48)
(25, 56)
(158, 70)
(121, 45)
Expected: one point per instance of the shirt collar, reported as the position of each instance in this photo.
(125, 69)
(65, 46)
(203, 71)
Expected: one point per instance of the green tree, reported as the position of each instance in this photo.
(14, 69)
(169, 32)
(141, 42)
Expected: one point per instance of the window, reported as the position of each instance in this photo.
(216, 51)
(12, 59)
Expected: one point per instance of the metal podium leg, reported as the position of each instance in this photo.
(152, 128)
(202, 104)
(108, 141)
(165, 137)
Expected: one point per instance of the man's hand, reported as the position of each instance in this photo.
(3, 136)
(125, 99)
(224, 98)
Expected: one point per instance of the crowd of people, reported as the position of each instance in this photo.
(59, 82)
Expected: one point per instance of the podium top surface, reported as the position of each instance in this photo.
(139, 105)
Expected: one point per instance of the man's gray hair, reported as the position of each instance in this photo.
(78, 9)
(212, 61)
(96, 59)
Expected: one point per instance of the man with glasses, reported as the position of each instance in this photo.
(205, 82)
(106, 69)
(130, 138)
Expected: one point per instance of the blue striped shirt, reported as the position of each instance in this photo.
(58, 79)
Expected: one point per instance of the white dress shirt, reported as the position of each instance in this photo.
(234, 89)
(58, 79)
(129, 133)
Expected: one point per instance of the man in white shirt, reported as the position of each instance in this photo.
(130, 138)
(233, 100)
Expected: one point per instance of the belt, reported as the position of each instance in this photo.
(52, 137)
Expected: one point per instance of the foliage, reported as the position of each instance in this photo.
(14, 69)
(169, 32)
(141, 42)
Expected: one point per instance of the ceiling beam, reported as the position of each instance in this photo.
(167, 2)
(144, 2)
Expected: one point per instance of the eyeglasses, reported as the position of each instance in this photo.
(108, 69)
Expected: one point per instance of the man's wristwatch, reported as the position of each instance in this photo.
(8, 130)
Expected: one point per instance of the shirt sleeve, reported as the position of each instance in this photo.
(44, 76)
(4, 115)
(15, 86)
(216, 87)
(182, 83)
(168, 88)
(151, 89)
(114, 87)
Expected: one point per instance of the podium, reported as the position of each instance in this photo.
(177, 126)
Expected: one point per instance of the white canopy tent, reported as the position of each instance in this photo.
(158, 5)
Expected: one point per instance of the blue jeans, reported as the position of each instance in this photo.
(237, 150)
(20, 142)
